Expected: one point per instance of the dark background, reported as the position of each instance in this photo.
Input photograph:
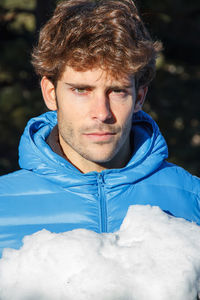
(173, 99)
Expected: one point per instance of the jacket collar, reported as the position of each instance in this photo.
(36, 155)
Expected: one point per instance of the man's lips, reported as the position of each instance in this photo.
(100, 136)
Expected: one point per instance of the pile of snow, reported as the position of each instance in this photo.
(153, 256)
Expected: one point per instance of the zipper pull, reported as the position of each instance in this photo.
(100, 179)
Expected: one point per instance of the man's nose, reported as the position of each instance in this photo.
(101, 109)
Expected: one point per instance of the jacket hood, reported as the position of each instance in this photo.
(35, 154)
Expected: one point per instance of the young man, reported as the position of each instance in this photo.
(96, 152)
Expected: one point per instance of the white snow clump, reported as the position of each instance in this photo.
(153, 256)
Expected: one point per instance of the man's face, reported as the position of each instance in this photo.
(94, 118)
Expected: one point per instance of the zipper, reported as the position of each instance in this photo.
(102, 204)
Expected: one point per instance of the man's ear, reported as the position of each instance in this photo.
(49, 93)
(141, 95)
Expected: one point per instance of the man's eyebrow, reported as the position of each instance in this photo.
(80, 85)
(117, 87)
(113, 87)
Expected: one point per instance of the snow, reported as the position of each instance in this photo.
(153, 256)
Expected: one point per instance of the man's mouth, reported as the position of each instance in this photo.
(100, 136)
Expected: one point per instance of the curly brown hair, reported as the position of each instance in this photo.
(85, 34)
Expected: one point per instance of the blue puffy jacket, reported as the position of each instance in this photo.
(51, 193)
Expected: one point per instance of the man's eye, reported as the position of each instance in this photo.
(79, 90)
(120, 92)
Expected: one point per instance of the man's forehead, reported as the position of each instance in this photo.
(95, 76)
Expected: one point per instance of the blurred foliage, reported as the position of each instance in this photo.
(173, 99)
(174, 94)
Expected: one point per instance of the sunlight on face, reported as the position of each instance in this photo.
(94, 118)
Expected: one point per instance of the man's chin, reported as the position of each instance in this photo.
(102, 160)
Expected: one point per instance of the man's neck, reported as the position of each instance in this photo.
(53, 142)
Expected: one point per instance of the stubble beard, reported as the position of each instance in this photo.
(72, 141)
